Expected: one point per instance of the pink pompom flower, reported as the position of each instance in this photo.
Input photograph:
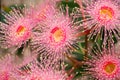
(105, 65)
(39, 71)
(99, 14)
(16, 30)
(55, 35)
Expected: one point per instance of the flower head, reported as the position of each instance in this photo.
(105, 12)
(101, 14)
(45, 74)
(57, 34)
(16, 30)
(105, 65)
(39, 71)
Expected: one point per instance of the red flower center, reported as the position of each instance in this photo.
(110, 68)
(58, 35)
(106, 13)
(20, 31)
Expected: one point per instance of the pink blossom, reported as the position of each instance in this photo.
(102, 16)
(42, 72)
(105, 65)
(103, 12)
(55, 35)
(16, 30)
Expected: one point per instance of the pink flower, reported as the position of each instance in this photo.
(42, 72)
(16, 30)
(101, 14)
(105, 65)
(55, 35)
(6, 68)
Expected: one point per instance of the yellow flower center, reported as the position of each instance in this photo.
(57, 34)
(110, 67)
(106, 13)
(20, 31)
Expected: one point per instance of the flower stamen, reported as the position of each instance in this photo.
(57, 35)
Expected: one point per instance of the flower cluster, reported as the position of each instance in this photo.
(45, 28)
(47, 36)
